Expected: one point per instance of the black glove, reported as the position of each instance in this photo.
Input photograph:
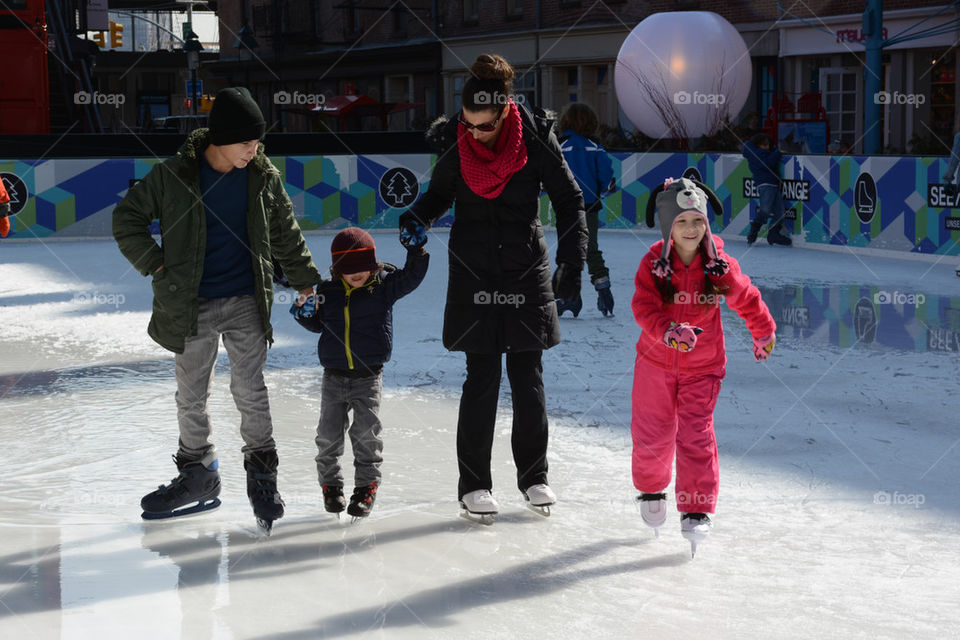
(604, 296)
(413, 235)
(566, 282)
(279, 277)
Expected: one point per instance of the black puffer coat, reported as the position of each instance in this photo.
(499, 295)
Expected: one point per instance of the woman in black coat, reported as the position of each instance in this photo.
(493, 159)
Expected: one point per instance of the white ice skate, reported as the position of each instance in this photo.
(539, 497)
(653, 510)
(479, 506)
(695, 527)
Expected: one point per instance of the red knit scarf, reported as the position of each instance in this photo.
(487, 171)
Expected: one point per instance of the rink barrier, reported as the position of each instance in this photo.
(885, 203)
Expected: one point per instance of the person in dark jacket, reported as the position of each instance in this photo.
(764, 163)
(493, 158)
(223, 214)
(593, 171)
(355, 322)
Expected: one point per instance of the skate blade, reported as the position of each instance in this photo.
(195, 510)
(485, 519)
(266, 526)
(693, 549)
(540, 509)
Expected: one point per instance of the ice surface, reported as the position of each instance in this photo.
(838, 513)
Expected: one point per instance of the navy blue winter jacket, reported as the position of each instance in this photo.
(356, 325)
(764, 163)
(589, 163)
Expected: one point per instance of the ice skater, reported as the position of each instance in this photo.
(764, 163)
(681, 360)
(493, 158)
(223, 211)
(593, 171)
(355, 321)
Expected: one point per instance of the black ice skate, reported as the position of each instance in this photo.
(198, 482)
(333, 500)
(267, 504)
(361, 502)
(573, 306)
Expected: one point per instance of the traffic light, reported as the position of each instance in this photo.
(98, 38)
(116, 35)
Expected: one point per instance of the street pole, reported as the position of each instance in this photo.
(873, 30)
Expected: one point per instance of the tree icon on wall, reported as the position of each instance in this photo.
(399, 187)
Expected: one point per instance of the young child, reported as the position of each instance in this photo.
(593, 171)
(764, 164)
(353, 315)
(680, 354)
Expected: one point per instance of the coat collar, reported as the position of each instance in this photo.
(186, 161)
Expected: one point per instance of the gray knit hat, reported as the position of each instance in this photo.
(673, 198)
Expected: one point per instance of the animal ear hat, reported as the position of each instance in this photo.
(673, 198)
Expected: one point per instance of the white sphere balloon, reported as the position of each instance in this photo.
(682, 73)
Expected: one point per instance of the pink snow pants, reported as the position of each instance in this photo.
(673, 411)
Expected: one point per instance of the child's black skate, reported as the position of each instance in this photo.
(776, 236)
(198, 482)
(574, 306)
(267, 504)
(361, 502)
(333, 500)
(752, 233)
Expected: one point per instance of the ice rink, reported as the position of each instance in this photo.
(838, 513)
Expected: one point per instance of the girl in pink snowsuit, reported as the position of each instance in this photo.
(680, 354)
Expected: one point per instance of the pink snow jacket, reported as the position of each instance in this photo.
(692, 305)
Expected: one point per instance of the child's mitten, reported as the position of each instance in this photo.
(762, 347)
(682, 337)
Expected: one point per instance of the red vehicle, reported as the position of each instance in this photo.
(24, 85)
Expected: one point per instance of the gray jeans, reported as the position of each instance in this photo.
(341, 394)
(238, 321)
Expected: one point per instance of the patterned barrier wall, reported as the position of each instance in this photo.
(885, 202)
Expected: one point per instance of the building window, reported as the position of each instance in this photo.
(525, 88)
(471, 11)
(514, 8)
(840, 87)
(458, 82)
(943, 80)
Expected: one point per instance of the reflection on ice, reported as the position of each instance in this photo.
(857, 316)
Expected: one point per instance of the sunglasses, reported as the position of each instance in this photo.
(486, 127)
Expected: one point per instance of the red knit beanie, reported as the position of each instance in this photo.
(353, 251)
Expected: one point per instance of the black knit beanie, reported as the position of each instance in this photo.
(235, 117)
